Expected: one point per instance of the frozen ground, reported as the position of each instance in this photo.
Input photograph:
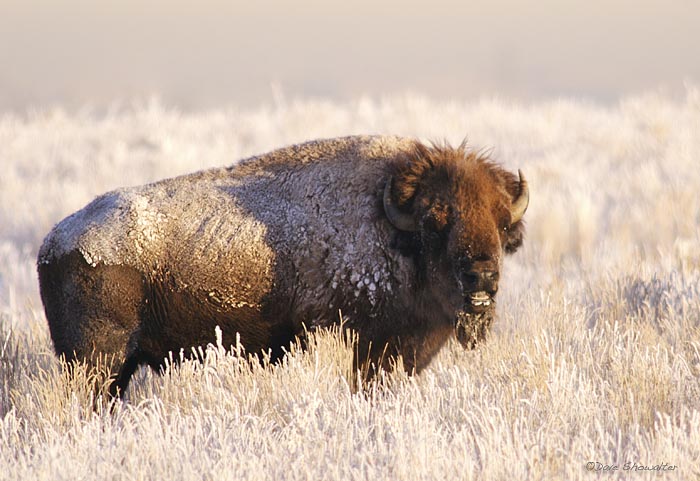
(595, 356)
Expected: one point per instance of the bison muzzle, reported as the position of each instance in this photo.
(405, 239)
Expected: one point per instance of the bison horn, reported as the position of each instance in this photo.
(517, 210)
(400, 220)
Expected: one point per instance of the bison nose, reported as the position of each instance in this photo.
(480, 280)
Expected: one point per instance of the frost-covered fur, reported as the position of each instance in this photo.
(277, 243)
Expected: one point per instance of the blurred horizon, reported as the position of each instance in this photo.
(215, 53)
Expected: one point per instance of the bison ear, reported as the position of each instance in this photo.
(518, 190)
(514, 237)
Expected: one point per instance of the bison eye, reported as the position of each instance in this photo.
(438, 217)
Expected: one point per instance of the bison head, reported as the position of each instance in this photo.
(457, 213)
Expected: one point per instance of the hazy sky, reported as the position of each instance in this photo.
(198, 54)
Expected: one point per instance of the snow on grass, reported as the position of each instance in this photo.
(595, 356)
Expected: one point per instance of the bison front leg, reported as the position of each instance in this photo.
(372, 358)
(411, 351)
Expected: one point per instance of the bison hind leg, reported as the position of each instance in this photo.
(119, 384)
(136, 356)
(94, 313)
(88, 375)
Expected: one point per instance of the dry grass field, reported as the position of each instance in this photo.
(595, 356)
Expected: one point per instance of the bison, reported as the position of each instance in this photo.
(405, 239)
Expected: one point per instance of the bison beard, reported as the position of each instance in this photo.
(472, 328)
(407, 240)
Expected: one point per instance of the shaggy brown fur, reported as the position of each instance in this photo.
(455, 180)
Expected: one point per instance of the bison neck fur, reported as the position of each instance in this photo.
(280, 243)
